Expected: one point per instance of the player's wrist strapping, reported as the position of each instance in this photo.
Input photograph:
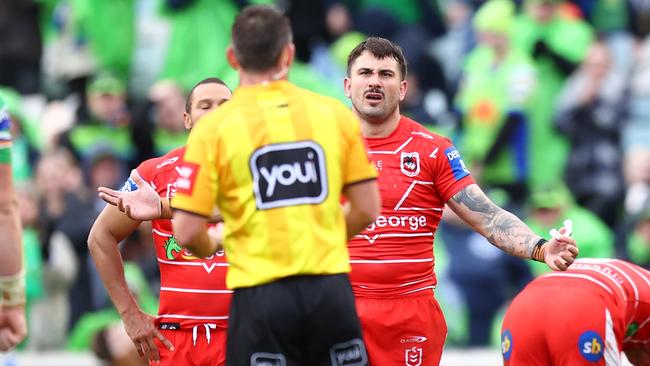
(539, 251)
(165, 208)
(12, 289)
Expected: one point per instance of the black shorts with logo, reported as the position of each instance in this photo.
(295, 321)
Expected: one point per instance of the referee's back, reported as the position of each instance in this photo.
(274, 160)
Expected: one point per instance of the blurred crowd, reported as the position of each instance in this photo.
(549, 105)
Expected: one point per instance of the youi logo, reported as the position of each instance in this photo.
(289, 174)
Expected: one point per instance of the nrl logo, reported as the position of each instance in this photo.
(413, 356)
(410, 164)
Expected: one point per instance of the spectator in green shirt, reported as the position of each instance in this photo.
(551, 204)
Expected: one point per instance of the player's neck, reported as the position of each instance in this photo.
(254, 78)
(380, 128)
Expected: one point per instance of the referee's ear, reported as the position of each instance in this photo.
(232, 59)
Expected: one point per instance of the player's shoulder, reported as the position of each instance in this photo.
(422, 135)
(150, 168)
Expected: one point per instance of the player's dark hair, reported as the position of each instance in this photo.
(190, 96)
(380, 48)
(259, 34)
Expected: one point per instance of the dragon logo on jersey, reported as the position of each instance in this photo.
(410, 164)
(171, 246)
(413, 356)
(590, 345)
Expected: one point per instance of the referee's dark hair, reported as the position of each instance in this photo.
(380, 48)
(190, 95)
(259, 34)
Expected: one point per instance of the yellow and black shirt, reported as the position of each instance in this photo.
(274, 160)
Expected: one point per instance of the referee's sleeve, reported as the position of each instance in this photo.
(197, 184)
(357, 166)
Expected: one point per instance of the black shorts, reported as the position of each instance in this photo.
(295, 321)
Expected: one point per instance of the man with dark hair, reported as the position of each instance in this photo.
(205, 104)
(419, 173)
(275, 161)
(13, 327)
(190, 328)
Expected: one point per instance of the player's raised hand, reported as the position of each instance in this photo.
(562, 249)
(141, 202)
(142, 330)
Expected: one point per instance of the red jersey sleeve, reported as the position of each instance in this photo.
(145, 170)
(449, 172)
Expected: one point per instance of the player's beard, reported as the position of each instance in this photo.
(377, 114)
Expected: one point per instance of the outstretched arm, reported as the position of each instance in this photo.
(507, 232)
(110, 228)
(143, 203)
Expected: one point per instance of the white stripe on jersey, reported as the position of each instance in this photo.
(386, 261)
(581, 276)
(418, 289)
(180, 316)
(609, 277)
(414, 282)
(636, 290)
(612, 353)
(391, 152)
(194, 291)
(161, 233)
(406, 194)
(404, 293)
(198, 264)
(385, 235)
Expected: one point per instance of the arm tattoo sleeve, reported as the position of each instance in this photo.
(503, 229)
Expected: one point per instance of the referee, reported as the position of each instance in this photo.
(275, 160)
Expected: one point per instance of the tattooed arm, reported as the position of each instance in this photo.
(506, 231)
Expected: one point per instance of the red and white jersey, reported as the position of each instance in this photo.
(192, 290)
(626, 283)
(419, 172)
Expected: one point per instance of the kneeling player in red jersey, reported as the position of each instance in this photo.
(587, 315)
(194, 300)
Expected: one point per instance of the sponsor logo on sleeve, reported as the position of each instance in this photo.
(506, 344)
(351, 353)
(590, 345)
(5, 124)
(410, 164)
(413, 356)
(186, 177)
(129, 186)
(289, 174)
(456, 163)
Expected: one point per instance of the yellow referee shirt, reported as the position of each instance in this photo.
(274, 160)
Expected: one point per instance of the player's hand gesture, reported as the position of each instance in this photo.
(140, 204)
(561, 250)
(142, 330)
(13, 327)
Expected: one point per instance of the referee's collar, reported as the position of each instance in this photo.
(264, 86)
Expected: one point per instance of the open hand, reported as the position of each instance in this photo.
(561, 250)
(142, 203)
